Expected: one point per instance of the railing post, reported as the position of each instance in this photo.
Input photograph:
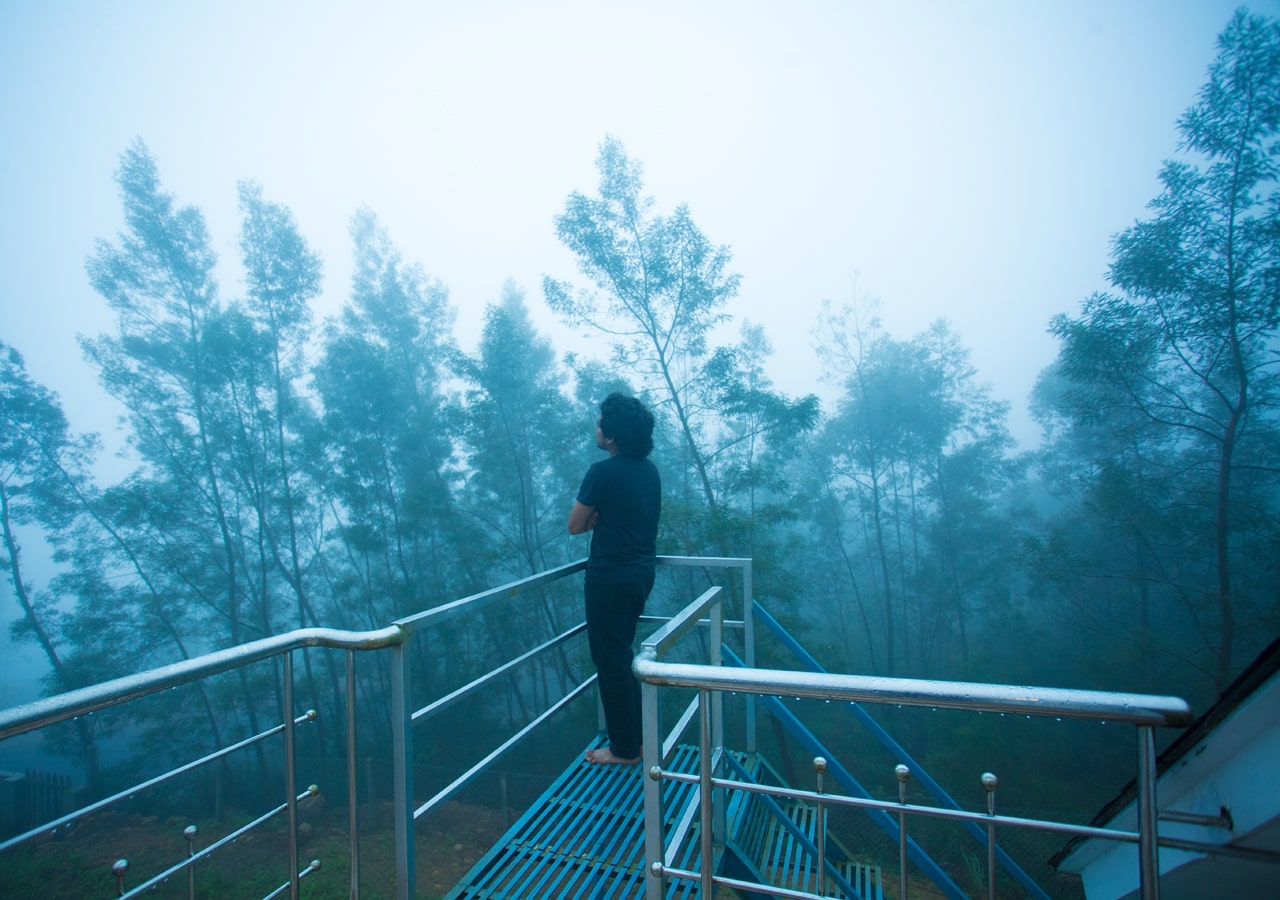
(353, 792)
(655, 882)
(749, 649)
(720, 814)
(402, 768)
(290, 775)
(820, 828)
(190, 834)
(704, 793)
(903, 774)
(1148, 822)
(989, 783)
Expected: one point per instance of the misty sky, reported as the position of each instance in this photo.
(967, 160)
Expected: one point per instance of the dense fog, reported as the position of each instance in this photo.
(283, 467)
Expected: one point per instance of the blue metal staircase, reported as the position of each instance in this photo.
(584, 838)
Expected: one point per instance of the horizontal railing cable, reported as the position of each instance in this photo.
(70, 817)
(458, 783)
(466, 690)
(230, 838)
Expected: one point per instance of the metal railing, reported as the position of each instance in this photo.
(709, 682)
(395, 639)
(86, 701)
(713, 680)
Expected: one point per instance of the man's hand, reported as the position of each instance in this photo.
(582, 518)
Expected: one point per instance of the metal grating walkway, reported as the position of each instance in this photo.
(584, 839)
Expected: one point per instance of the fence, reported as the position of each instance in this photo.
(32, 797)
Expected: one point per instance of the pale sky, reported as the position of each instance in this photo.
(967, 160)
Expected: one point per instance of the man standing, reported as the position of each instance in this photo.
(619, 503)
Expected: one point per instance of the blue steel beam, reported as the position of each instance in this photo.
(917, 770)
(917, 853)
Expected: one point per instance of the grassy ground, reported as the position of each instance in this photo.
(77, 863)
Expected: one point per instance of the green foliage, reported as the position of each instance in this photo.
(660, 287)
(1164, 400)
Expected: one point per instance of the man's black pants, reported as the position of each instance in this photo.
(613, 610)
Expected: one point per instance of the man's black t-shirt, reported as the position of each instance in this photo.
(626, 492)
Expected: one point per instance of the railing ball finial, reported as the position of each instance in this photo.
(657, 869)
(655, 772)
(902, 773)
(190, 832)
(312, 715)
(118, 868)
(990, 782)
(820, 767)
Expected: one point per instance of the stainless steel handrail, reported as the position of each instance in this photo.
(1142, 710)
(83, 701)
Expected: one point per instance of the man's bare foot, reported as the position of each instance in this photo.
(604, 756)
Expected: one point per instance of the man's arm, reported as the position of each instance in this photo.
(582, 518)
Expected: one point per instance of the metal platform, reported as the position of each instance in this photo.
(584, 839)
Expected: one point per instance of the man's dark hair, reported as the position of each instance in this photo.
(628, 423)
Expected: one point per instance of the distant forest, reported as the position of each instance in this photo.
(344, 473)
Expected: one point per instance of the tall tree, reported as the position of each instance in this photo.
(1188, 343)
(163, 367)
(44, 474)
(389, 433)
(524, 455)
(521, 436)
(283, 276)
(914, 462)
(867, 436)
(275, 424)
(664, 287)
(660, 287)
(180, 523)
